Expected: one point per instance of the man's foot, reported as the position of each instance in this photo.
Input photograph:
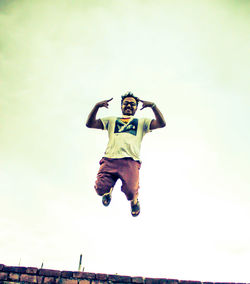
(135, 208)
(106, 198)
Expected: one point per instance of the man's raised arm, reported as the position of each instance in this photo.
(159, 120)
(92, 122)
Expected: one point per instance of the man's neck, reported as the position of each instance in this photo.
(127, 116)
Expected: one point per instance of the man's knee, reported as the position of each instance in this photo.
(100, 190)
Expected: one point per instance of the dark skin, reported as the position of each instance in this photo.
(128, 107)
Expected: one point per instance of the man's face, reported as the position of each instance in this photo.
(129, 106)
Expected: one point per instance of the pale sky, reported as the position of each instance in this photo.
(57, 59)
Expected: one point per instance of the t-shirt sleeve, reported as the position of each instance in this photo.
(146, 125)
(105, 121)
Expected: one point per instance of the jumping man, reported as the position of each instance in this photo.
(122, 156)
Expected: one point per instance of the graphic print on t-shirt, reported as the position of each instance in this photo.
(130, 128)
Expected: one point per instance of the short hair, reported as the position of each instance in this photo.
(130, 95)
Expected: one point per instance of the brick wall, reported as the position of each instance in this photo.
(18, 274)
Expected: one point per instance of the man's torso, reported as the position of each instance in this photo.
(125, 136)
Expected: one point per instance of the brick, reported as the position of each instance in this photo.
(84, 281)
(151, 281)
(168, 281)
(40, 279)
(225, 283)
(31, 270)
(3, 276)
(101, 276)
(161, 281)
(173, 281)
(14, 276)
(84, 275)
(119, 278)
(68, 281)
(28, 278)
(1, 267)
(49, 272)
(137, 280)
(49, 280)
(66, 274)
(15, 269)
(116, 282)
(189, 282)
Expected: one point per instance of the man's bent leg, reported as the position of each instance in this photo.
(106, 178)
(130, 178)
(104, 183)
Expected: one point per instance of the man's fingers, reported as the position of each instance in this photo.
(142, 104)
(110, 100)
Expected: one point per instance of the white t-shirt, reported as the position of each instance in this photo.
(125, 138)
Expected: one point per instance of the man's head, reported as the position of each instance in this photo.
(129, 104)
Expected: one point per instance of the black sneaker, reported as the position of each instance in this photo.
(135, 208)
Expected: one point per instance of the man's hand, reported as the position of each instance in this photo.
(104, 103)
(159, 121)
(92, 122)
(146, 104)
